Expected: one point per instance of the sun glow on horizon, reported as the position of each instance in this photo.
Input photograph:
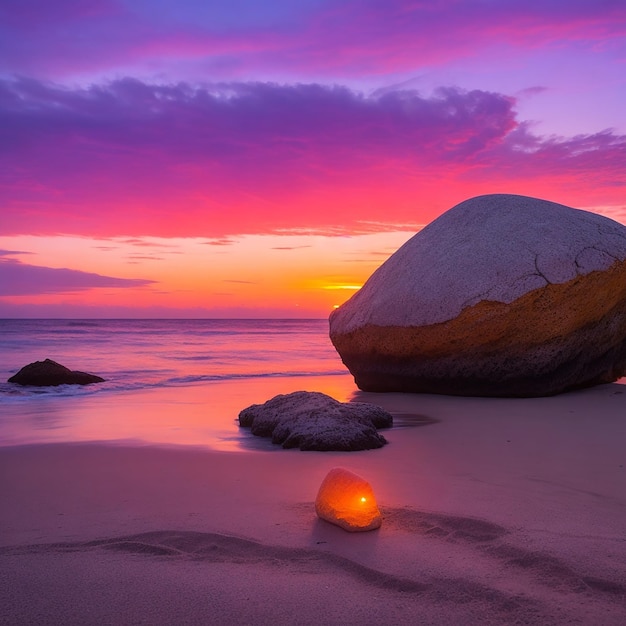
(299, 275)
(343, 287)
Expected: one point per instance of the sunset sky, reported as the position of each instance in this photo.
(185, 158)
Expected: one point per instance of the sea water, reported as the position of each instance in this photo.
(166, 381)
(140, 354)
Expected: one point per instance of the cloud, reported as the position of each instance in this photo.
(335, 38)
(21, 279)
(381, 36)
(224, 241)
(530, 92)
(289, 247)
(216, 125)
(10, 253)
(144, 257)
(132, 158)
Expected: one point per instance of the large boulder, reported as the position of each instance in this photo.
(502, 295)
(310, 420)
(48, 373)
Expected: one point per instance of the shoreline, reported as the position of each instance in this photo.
(198, 414)
(500, 511)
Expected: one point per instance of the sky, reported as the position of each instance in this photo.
(184, 158)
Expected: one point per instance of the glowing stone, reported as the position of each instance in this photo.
(347, 500)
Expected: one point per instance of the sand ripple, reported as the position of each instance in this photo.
(540, 588)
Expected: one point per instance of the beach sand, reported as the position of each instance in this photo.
(496, 511)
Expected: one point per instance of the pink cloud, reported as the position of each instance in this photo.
(136, 159)
(370, 37)
(219, 242)
(338, 38)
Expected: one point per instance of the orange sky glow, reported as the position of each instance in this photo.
(286, 275)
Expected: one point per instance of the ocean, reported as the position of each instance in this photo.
(167, 381)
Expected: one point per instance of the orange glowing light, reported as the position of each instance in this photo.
(340, 501)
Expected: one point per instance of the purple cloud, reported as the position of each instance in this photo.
(20, 279)
(333, 38)
(10, 253)
(122, 158)
(222, 129)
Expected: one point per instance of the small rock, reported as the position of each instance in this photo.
(347, 500)
(310, 420)
(48, 373)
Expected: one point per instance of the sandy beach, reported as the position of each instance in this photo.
(496, 511)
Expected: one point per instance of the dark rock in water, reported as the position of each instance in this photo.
(502, 295)
(311, 420)
(48, 373)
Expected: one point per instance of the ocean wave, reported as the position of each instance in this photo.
(11, 393)
(16, 393)
(201, 378)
